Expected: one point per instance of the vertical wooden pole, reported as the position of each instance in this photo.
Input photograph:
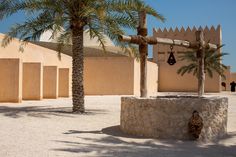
(201, 56)
(143, 51)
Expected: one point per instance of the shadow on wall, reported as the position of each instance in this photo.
(113, 143)
(44, 112)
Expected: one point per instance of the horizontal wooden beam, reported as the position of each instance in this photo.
(211, 46)
(167, 41)
(137, 39)
(124, 38)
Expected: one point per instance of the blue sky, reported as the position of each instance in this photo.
(200, 13)
(185, 13)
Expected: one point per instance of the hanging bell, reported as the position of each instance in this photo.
(171, 60)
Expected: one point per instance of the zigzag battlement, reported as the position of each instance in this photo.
(211, 33)
(187, 30)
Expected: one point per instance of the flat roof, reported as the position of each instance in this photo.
(91, 51)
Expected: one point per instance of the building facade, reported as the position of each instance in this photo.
(39, 73)
(169, 80)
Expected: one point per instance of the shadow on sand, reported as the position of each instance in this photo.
(111, 142)
(44, 111)
(112, 131)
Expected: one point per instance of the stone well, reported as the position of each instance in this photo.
(167, 117)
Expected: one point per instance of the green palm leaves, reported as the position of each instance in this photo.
(100, 17)
(213, 62)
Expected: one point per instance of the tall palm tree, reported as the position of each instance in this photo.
(71, 18)
(212, 62)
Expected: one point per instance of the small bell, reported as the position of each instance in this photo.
(171, 60)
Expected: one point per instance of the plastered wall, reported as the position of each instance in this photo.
(152, 78)
(117, 76)
(36, 54)
(226, 79)
(108, 76)
(63, 82)
(44, 75)
(32, 88)
(233, 77)
(10, 80)
(50, 82)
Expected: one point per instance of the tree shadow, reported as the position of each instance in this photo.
(45, 111)
(83, 132)
(113, 131)
(113, 146)
(116, 131)
(112, 142)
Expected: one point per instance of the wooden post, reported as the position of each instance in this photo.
(201, 56)
(143, 51)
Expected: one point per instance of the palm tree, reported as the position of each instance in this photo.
(212, 62)
(71, 18)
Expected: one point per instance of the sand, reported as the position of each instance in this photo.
(48, 129)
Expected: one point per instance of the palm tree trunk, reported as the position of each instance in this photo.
(78, 70)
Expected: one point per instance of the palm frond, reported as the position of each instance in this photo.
(103, 17)
(212, 63)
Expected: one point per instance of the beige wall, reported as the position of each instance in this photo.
(117, 76)
(233, 77)
(33, 53)
(11, 77)
(226, 79)
(169, 80)
(152, 78)
(108, 76)
(50, 82)
(63, 82)
(32, 81)
(36, 54)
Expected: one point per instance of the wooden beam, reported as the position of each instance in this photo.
(165, 41)
(211, 46)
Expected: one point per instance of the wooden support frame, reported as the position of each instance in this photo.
(165, 41)
(143, 41)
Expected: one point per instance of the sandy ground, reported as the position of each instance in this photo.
(48, 129)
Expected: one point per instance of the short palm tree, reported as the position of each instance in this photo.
(71, 18)
(212, 62)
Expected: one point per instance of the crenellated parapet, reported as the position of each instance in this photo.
(211, 33)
